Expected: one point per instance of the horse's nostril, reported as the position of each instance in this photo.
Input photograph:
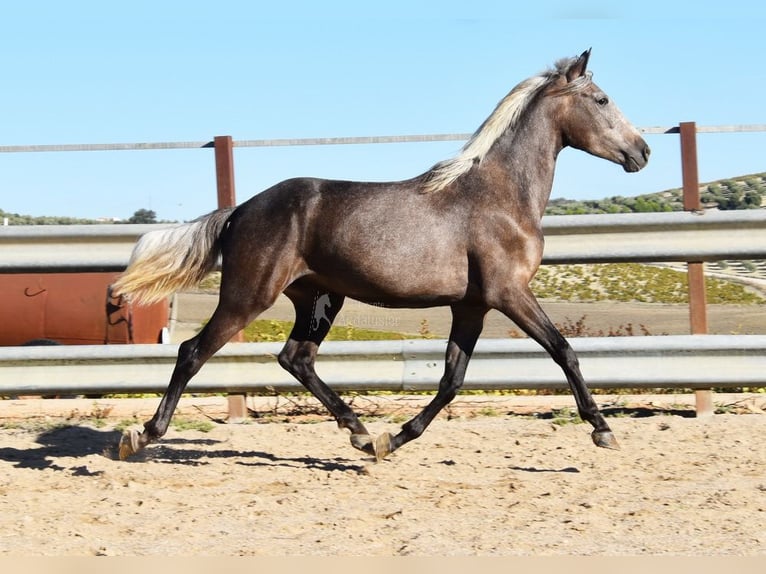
(647, 152)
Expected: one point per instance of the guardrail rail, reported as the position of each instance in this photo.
(676, 361)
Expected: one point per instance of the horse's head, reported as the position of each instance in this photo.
(593, 123)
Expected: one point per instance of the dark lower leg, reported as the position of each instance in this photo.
(466, 328)
(448, 386)
(192, 354)
(297, 358)
(565, 356)
(527, 313)
(299, 354)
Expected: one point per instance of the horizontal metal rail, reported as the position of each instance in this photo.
(684, 361)
(655, 237)
(69, 248)
(343, 140)
(642, 237)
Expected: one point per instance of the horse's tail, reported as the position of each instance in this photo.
(173, 259)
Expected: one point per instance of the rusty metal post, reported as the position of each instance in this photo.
(224, 174)
(695, 269)
(224, 171)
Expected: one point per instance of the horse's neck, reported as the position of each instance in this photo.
(521, 164)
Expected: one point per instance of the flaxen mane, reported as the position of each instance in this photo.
(503, 118)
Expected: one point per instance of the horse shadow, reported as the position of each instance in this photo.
(626, 412)
(644, 412)
(171, 451)
(62, 442)
(81, 441)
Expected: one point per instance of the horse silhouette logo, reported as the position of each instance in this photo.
(321, 304)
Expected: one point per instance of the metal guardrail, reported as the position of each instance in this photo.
(682, 361)
(642, 237)
(699, 362)
(68, 248)
(655, 237)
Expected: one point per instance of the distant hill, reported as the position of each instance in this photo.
(744, 192)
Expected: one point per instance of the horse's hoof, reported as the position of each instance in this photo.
(363, 442)
(605, 439)
(129, 444)
(383, 446)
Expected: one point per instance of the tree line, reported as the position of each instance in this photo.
(139, 216)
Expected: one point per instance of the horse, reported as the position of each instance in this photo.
(466, 234)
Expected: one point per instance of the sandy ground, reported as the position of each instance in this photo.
(492, 475)
(504, 476)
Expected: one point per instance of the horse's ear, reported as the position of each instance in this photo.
(577, 69)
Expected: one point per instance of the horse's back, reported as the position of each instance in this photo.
(324, 205)
(385, 242)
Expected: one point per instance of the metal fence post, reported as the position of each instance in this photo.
(224, 172)
(695, 269)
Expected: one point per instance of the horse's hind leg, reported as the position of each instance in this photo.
(467, 323)
(229, 318)
(313, 319)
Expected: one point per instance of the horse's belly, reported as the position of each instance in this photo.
(407, 283)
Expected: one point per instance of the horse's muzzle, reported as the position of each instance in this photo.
(636, 159)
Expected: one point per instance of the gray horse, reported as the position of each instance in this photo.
(466, 233)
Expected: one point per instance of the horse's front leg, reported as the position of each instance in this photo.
(522, 307)
(467, 323)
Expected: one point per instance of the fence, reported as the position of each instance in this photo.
(680, 361)
(601, 238)
(641, 362)
(690, 362)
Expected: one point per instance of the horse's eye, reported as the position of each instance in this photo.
(602, 101)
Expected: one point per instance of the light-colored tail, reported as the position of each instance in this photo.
(173, 259)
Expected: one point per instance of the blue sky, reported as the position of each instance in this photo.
(104, 72)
